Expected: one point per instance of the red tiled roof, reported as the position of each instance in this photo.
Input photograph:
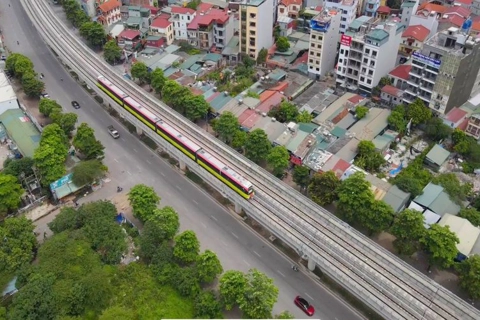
(455, 115)
(418, 32)
(286, 3)
(391, 90)
(245, 115)
(463, 125)
(182, 10)
(109, 5)
(340, 167)
(476, 26)
(454, 19)
(319, 8)
(467, 2)
(129, 34)
(271, 102)
(461, 11)
(356, 99)
(384, 9)
(429, 7)
(204, 7)
(265, 95)
(213, 96)
(160, 23)
(401, 71)
(153, 10)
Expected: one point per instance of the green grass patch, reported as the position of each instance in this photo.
(194, 177)
(164, 155)
(74, 75)
(98, 99)
(149, 142)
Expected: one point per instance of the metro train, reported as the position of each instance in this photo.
(214, 166)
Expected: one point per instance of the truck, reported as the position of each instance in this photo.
(113, 132)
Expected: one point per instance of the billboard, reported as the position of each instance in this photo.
(427, 60)
(345, 40)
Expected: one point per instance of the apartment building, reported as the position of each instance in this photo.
(473, 126)
(347, 8)
(164, 28)
(109, 12)
(413, 38)
(142, 14)
(371, 7)
(475, 7)
(211, 29)
(289, 8)
(181, 17)
(443, 74)
(256, 26)
(408, 9)
(324, 35)
(368, 52)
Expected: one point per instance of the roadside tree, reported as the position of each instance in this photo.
(232, 288)
(167, 220)
(262, 56)
(226, 126)
(471, 214)
(10, 192)
(469, 273)
(87, 172)
(23, 66)
(17, 167)
(32, 86)
(301, 176)
(139, 71)
(208, 266)
(354, 196)
(18, 243)
(143, 200)
(66, 121)
(323, 188)
(207, 306)
(176, 96)
(187, 247)
(259, 297)
(278, 159)
(196, 107)
(257, 146)
(284, 315)
(418, 112)
(67, 219)
(158, 80)
(378, 218)
(46, 106)
(10, 62)
(50, 164)
(408, 229)
(94, 33)
(85, 142)
(304, 117)
(436, 130)
(441, 244)
(239, 139)
(112, 52)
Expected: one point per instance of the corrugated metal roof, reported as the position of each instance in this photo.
(438, 155)
(437, 200)
(220, 101)
(21, 130)
(465, 231)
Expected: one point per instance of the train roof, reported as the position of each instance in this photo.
(144, 111)
(185, 141)
(112, 87)
(225, 169)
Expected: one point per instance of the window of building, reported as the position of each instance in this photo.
(365, 60)
(364, 70)
(318, 54)
(370, 72)
(294, 8)
(342, 26)
(312, 45)
(374, 53)
(282, 10)
(311, 60)
(340, 60)
(341, 51)
(367, 51)
(372, 64)
(369, 81)
(314, 36)
(318, 69)
(362, 79)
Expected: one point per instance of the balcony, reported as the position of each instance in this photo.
(355, 56)
(430, 79)
(424, 98)
(416, 63)
(427, 87)
(413, 83)
(354, 65)
(408, 98)
(432, 70)
(411, 91)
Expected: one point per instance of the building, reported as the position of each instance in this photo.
(347, 8)
(286, 26)
(164, 28)
(324, 34)
(367, 53)
(109, 12)
(371, 7)
(210, 28)
(443, 74)
(142, 2)
(475, 7)
(399, 76)
(289, 8)
(413, 38)
(129, 39)
(22, 131)
(383, 12)
(142, 13)
(473, 126)
(427, 19)
(391, 95)
(8, 98)
(256, 26)
(408, 9)
(466, 232)
(181, 17)
(436, 157)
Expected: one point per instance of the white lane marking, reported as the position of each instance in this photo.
(149, 162)
(203, 224)
(214, 218)
(281, 273)
(309, 296)
(123, 139)
(248, 264)
(135, 150)
(115, 160)
(196, 202)
(257, 254)
(163, 174)
(233, 234)
(178, 188)
(129, 172)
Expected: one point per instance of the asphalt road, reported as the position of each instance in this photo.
(130, 163)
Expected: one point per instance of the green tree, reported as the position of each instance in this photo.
(262, 56)
(458, 136)
(15, 167)
(175, 95)
(153, 246)
(361, 112)
(368, 158)
(471, 214)
(193, 4)
(139, 71)
(278, 159)
(66, 121)
(32, 86)
(385, 81)
(397, 119)
(378, 218)
(282, 44)
(186, 282)
(418, 112)
(86, 143)
(301, 176)
(410, 185)
(259, 296)
(196, 107)
(441, 244)
(67, 219)
(112, 52)
(304, 117)
(46, 106)
(226, 126)
(187, 247)
(284, 315)
(10, 62)
(207, 306)
(143, 200)
(50, 165)
(22, 66)
(239, 139)
(323, 188)
(18, 243)
(436, 130)
(54, 135)
(354, 197)
(469, 273)
(10, 193)
(208, 266)
(257, 146)
(408, 228)
(117, 313)
(285, 112)
(232, 288)
(94, 33)
(158, 80)
(87, 172)
(167, 220)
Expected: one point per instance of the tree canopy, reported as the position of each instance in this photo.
(441, 244)
(187, 247)
(282, 44)
(15, 167)
(368, 158)
(139, 71)
(87, 144)
(143, 200)
(87, 172)
(47, 106)
(409, 229)
(470, 276)
(10, 193)
(18, 244)
(323, 188)
(112, 52)
(285, 112)
(226, 126)
(94, 33)
(301, 176)
(257, 146)
(471, 214)
(278, 159)
(361, 112)
(354, 195)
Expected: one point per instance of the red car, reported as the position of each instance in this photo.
(304, 305)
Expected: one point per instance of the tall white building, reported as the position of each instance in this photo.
(347, 8)
(256, 26)
(367, 53)
(408, 9)
(181, 18)
(324, 35)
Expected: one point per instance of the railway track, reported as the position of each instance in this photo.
(397, 290)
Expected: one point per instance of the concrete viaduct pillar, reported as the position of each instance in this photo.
(139, 131)
(311, 264)
(182, 164)
(238, 208)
